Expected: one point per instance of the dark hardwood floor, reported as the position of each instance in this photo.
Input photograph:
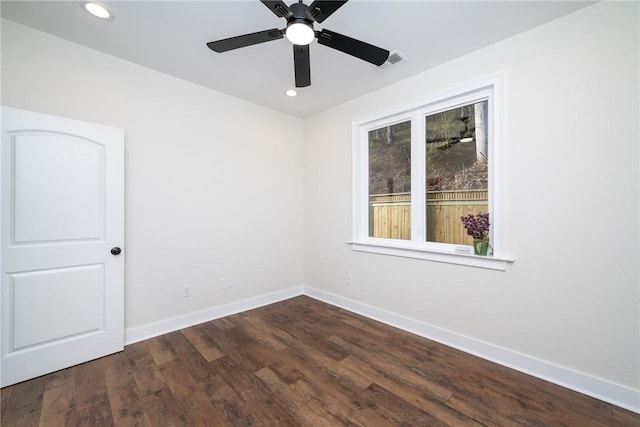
(299, 362)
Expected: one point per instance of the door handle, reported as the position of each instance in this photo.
(116, 251)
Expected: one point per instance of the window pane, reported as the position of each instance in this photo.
(457, 171)
(390, 181)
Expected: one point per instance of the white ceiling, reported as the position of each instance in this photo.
(171, 37)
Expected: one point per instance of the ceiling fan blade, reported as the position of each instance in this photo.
(279, 8)
(302, 65)
(365, 51)
(320, 10)
(245, 40)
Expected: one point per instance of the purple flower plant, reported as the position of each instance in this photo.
(477, 225)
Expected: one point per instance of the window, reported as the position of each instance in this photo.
(457, 170)
(419, 167)
(390, 181)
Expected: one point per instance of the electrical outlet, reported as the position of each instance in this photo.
(186, 291)
(226, 283)
(349, 281)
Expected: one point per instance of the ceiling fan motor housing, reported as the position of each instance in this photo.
(299, 12)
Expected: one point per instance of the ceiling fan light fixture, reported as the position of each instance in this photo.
(300, 32)
(97, 10)
(300, 21)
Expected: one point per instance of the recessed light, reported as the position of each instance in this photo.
(97, 10)
(291, 92)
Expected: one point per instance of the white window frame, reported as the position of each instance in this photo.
(490, 89)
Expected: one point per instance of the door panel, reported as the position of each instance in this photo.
(62, 293)
(71, 197)
(47, 293)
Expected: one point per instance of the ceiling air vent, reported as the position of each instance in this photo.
(394, 59)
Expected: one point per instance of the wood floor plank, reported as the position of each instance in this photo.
(400, 350)
(69, 418)
(91, 387)
(228, 403)
(146, 373)
(377, 330)
(202, 343)
(188, 356)
(429, 404)
(287, 369)
(316, 361)
(321, 379)
(553, 404)
(312, 335)
(23, 405)
(624, 417)
(126, 405)
(386, 408)
(163, 409)
(97, 414)
(239, 391)
(259, 331)
(341, 409)
(189, 395)
(161, 349)
(318, 374)
(380, 367)
(59, 399)
(5, 395)
(233, 343)
(306, 412)
(222, 324)
(298, 362)
(485, 410)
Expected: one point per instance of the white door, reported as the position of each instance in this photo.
(62, 293)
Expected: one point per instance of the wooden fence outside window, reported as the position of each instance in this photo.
(390, 214)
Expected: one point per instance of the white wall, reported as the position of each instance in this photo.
(213, 183)
(571, 299)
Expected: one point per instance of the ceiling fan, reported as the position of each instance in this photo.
(300, 32)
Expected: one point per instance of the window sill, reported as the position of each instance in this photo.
(384, 248)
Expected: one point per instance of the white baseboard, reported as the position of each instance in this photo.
(151, 330)
(595, 387)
